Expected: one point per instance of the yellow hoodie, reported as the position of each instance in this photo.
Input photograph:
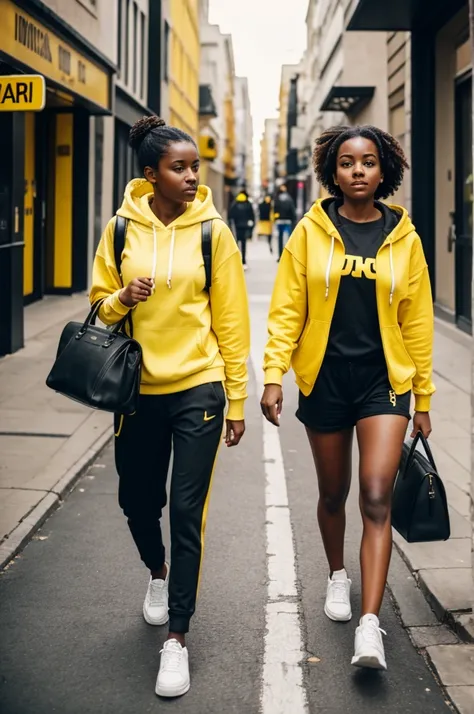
(188, 337)
(305, 296)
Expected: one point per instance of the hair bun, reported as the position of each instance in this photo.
(143, 127)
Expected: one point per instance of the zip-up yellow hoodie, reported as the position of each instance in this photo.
(188, 337)
(305, 296)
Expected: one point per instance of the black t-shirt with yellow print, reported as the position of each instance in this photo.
(355, 331)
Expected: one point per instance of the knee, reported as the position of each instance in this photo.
(333, 503)
(375, 506)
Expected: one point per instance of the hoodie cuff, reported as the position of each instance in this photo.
(236, 410)
(422, 402)
(115, 305)
(273, 375)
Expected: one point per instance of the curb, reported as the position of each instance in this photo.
(23, 532)
(457, 621)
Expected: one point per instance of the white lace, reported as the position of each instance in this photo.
(157, 598)
(172, 653)
(372, 633)
(338, 591)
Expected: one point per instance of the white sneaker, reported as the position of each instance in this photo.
(155, 607)
(173, 677)
(338, 597)
(369, 650)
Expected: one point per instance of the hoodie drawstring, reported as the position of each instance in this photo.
(170, 261)
(155, 257)
(392, 274)
(329, 266)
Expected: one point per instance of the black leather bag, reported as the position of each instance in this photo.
(419, 504)
(98, 367)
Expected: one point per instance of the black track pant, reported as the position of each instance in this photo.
(190, 423)
(242, 236)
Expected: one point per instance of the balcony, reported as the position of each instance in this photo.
(401, 15)
(349, 100)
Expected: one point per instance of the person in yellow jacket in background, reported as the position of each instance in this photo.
(352, 314)
(195, 346)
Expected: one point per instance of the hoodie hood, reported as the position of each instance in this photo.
(136, 208)
(398, 225)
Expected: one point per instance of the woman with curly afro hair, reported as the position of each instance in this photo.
(352, 314)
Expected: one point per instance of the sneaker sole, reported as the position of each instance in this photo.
(155, 623)
(369, 662)
(170, 693)
(337, 618)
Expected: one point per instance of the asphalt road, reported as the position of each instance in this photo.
(73, 639)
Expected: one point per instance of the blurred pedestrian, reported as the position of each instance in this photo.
(352, 313)
(265, 222)
(243, 217)
(193, 340)
(285, 217)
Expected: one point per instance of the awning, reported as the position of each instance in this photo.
(402, 14)
(349, 100)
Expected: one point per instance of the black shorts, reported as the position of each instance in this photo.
(346, 392)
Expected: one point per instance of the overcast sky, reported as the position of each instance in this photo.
(264, 39)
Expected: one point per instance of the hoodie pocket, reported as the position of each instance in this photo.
(308, 356)
(401, 367)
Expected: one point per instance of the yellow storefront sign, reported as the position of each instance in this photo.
(22, 92)
(27, 40)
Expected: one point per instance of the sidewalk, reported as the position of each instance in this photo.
(46, 441)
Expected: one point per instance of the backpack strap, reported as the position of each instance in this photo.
(120, 232)
(206, 245)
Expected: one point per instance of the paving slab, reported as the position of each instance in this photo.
(453, 553)
(424, 637)
(462, 698)
(15, 505)
(451, 587)
(453, 663)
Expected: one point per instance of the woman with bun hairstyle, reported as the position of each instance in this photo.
(195, 346)
(352, 314)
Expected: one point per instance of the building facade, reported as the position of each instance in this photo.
(268, 152)
(47, 207)
(184, 66)
(244, 135)
(429, 74)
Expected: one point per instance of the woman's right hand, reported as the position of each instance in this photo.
(272, 403)
(138, 290)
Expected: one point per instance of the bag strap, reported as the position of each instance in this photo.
(420, 437)
(120, 234)
(206, 246)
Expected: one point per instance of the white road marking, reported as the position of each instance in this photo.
(282, 687)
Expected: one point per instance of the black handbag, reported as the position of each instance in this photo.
(419, 504)
(98, 367)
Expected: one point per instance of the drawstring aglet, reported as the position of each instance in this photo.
(327, 294)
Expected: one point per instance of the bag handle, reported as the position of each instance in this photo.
(92, 317)
(419, 436)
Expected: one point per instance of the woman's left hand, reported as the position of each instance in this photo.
(234, 432)
(421, 422)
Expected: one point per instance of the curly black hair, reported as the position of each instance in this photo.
(392, 157)
(150, 137)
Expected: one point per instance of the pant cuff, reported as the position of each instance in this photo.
(179, 624)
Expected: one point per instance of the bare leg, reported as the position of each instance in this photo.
(380, 443)
(332, 457)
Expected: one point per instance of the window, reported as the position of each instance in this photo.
(135, 46)
(142, 54)
(119, 38)
(127, 38)
(166, 58)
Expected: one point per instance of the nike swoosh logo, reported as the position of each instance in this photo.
(209, 418)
